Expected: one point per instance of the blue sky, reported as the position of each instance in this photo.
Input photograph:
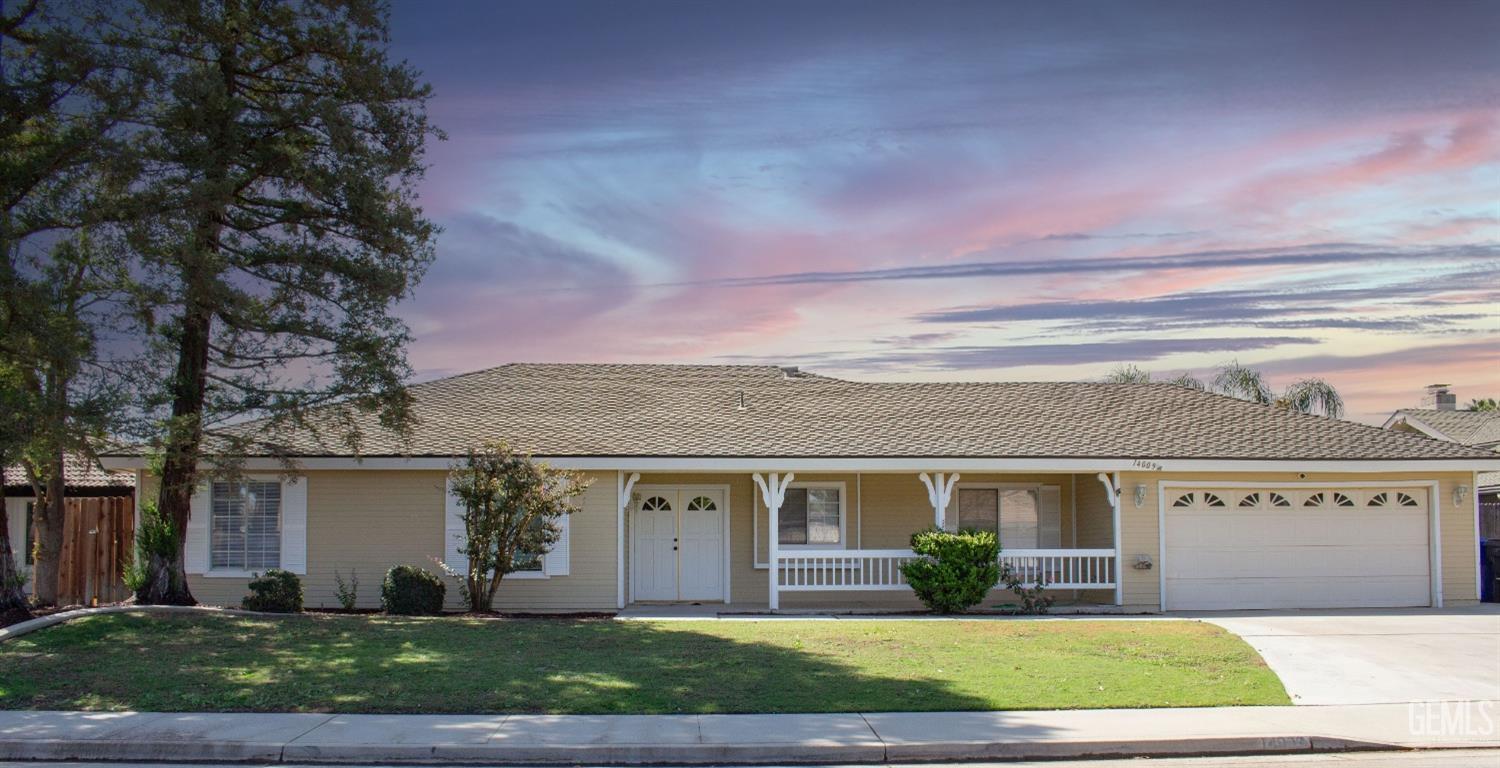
(968, 191)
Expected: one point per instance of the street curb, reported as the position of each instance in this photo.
(42, 622)
(145, 751)
(664, 754)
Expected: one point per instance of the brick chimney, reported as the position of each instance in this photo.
(1440, 397)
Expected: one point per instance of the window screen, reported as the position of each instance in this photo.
(30, 533)
(528, 561)
(245, 526)
(1018, 519)
(809, 516)
(979, 508)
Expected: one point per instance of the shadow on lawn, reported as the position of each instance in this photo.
(382, 664)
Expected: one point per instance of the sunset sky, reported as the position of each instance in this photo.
(977, 191)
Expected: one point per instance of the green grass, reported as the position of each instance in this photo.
(325, 663)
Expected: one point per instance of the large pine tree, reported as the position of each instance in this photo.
(274, 226)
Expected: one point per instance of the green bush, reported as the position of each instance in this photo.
(155, 538)
(275, 591)
(954, 570)
(346, 591)
(411, 591)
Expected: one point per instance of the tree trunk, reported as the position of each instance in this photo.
(50, 532)
(13, 604)
(47, 516)
(167, 580)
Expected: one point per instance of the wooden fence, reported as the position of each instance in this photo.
(98, 539)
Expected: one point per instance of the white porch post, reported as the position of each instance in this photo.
(623, 487)
(774, 492)
(1112, 492)
(939, 493)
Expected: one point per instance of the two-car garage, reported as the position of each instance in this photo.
(1295, 547)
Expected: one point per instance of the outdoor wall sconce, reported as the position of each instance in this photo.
(1140, 495)
(1460, 492)
(1142, 563)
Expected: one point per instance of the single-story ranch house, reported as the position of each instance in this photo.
(764, 487)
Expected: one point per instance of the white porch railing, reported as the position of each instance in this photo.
(837, 570)
(827, 570)
(1063, 568)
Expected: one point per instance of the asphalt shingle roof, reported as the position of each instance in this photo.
(750, 411)
(1462, 427)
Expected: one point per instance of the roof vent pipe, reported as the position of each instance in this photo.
(739, 400)
(788, 371)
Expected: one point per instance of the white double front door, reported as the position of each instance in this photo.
(679, 538)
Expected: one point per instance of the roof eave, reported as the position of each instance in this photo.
(883, 464)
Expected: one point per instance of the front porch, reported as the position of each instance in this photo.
(840, 539)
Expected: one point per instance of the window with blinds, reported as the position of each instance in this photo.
(245, 526)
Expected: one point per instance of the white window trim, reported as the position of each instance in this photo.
(242, 573)
(843, 515)
(226, 573)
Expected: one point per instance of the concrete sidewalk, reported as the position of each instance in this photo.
(728, 739)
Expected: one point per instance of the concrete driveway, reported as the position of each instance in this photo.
(1376, 656)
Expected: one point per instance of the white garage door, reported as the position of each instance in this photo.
(1229, 548)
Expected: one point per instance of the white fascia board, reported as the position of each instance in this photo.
(687, 463)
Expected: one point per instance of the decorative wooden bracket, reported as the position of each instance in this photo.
(939, 493)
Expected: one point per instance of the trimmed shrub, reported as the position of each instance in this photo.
(411, 591)
(275, 591)
(955, 571)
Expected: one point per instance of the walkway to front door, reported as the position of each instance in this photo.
(679, 544)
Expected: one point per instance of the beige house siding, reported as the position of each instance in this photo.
(365, 521)
(358, 522)
(1141, 531)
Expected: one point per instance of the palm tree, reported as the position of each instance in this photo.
(1484, 404)
(1243, 382)
(1188, 380)
(1127, 374)
(1310, 395)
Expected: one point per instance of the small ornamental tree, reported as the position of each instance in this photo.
(512, 510)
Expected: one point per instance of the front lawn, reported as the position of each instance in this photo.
(324, 663)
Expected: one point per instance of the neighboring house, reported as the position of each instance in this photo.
(1477, 429)
(81, 477)
(767, 487)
